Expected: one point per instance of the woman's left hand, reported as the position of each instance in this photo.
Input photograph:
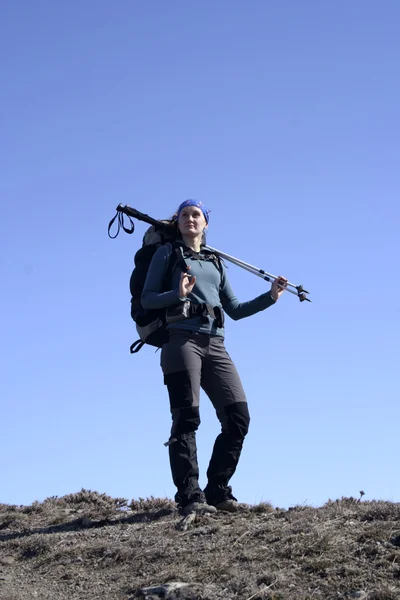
(278, 287)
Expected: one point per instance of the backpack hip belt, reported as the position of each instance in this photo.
(187, 310)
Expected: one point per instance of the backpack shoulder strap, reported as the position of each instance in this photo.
(216, 259)
(176, 258)
(218, 263)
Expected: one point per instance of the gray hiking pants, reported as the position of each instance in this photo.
(191, 361)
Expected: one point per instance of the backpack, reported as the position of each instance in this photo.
(151, 324)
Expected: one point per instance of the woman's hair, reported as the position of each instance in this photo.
(173, 222)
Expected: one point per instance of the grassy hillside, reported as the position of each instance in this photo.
(90, 546)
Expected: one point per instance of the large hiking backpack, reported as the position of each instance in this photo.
(150, 324)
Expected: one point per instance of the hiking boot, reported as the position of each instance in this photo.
(228, 505)
(200, 508)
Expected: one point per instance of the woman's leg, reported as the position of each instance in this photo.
(181, 360)
(221, 382)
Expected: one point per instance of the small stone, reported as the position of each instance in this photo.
(7, 560)
(86, 522)
(357, 594)
(162, 590)
(185, 523)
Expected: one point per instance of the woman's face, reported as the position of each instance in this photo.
(191, 221)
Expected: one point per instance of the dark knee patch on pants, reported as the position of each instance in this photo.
(237, 420)
(179, 389)
(185, 420)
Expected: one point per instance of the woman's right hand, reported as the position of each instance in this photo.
(186, 284)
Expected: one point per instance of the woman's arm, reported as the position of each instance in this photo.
(239, 310)
(152, 295)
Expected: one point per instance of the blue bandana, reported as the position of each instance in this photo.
(200, 205)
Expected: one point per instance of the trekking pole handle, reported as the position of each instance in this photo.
(132, 212)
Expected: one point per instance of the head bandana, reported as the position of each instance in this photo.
(200, 205)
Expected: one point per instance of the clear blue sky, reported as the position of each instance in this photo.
(283, 118)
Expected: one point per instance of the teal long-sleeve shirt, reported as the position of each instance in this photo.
(212, 287)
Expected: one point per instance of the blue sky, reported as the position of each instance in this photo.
(283, 118)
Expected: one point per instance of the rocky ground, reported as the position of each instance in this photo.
(90, 546)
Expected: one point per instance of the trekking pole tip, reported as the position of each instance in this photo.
(303, 297)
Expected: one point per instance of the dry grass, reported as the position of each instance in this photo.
(88, 545)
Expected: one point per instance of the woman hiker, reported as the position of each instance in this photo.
(195, 357)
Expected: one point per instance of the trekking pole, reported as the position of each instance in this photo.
(297, 290)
